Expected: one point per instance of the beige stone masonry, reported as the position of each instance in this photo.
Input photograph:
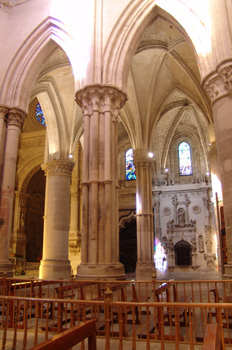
(15, 121)
(55, 263)
(219, 88)
(144, 215)
(100, 241)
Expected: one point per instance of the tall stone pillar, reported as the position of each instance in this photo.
(3, 123)
(100, 237)
(55, 263)
(15, 120)
(219, 87)
(144, 215)
(75, 212)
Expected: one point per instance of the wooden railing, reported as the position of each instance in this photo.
(196, 291)
(157, 311)
(71, 337)
(29, 319)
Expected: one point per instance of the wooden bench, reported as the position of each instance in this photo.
(30, 289)
(70, 291)
(172, 312)
(167, 292)
(212, 338)
(71, 337)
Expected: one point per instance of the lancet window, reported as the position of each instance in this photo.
(185, 161)
(130, 168)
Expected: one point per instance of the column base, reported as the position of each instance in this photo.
(6, 269)
(144, 271)
(101, 272)
(54, 269)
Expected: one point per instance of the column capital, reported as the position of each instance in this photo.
(101, 98)
(16, 117)
(3, 111)
(143, 161)
(58, 167)
(219, 83)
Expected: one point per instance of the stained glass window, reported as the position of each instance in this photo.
(39, 115)
(185, 162)
(130, 168)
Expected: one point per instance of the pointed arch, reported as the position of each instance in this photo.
(25, 66)
(125, 36)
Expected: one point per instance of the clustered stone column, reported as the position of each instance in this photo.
(100, 237)
(75, 211)
(144, 215)
(219, 88)
(3, 124)
(55, 263)
(14, 123)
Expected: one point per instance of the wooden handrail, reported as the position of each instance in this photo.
(71, 337)
(212, 338)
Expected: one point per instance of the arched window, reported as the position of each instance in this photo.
(185, 162)
(39, 115)
(130, 168)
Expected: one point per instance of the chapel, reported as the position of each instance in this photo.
(116, 138)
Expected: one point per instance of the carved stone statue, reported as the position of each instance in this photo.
(181, 217)
(201, 244)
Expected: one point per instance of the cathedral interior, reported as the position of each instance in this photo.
(115, 139)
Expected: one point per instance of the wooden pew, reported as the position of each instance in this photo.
(212, 338)
(226, 313)
(166, 318)
(71, 337)
(71, 291)
(31, 289)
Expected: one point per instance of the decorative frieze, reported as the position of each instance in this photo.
(219, 84)
(32, 142)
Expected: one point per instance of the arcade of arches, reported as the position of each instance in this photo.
(80, 87)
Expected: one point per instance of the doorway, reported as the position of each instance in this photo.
(183, 254)
(128, 246)
(34, 218)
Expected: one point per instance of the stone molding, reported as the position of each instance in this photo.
(58, 167)
(100, 98)
(16, 117)
(219, 84)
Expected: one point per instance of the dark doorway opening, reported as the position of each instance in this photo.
(34, 218)
(183, 253)
(128, 246)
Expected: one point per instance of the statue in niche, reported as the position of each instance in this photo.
(201, 244)
(209, 246)
(22, 222)
(194, 244)
(165, 244)
(208, 238)
(170, 245)
(181, 217)
(170, 224)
